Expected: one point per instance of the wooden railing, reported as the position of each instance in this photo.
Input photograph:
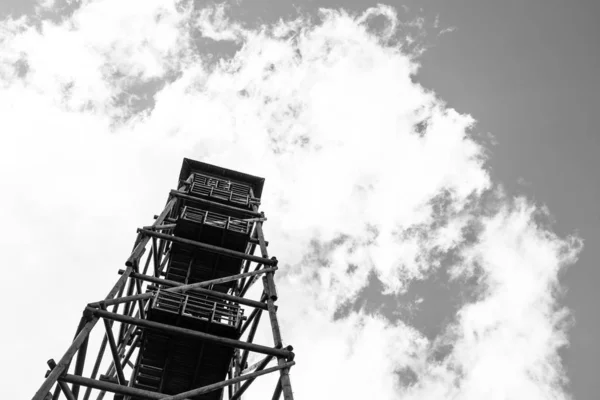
(200, 216)
(220, 189)
(203, 307)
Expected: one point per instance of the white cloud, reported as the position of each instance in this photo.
(358, 159)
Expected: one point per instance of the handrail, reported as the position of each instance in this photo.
(222, 221)
(212, 309)
(233, 192)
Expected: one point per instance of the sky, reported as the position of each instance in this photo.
(430, 178)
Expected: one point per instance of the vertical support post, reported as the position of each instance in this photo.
(284, 373)
(269, 287)
(147, 263)
(79, 364)
(278, 390)
(156, 258)
(229, 376)
(102, 349)
(128, 307)
(115, 352)
(141, 303)
(238, 369)
(251, 336)
(57, 391)
(272, 313)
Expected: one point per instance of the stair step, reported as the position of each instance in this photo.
(153, 362)
(146, 387)
(148, 380)
(150, 370)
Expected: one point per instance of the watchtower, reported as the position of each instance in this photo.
(178, 323)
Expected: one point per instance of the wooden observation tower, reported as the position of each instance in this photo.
(177, 324)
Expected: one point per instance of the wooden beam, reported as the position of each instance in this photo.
(115, 353)
(208, 247)
(214, 293)
(219, 385)
(250, 281)
(132, 347)
(182, 288)
(273, 316)
(58, 391)
(199, 200)
(63, 386)
(127, 309)
(100, 355)
(284, 372)
(80, 363)
(141, 304)
(251, 337)
(249, 320)
(229, 376)
(261, 239)
(111, 387)
(155, 257)
(191, 333)
(278, 390)
(246, 384)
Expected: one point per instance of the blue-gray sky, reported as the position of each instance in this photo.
(526, 72)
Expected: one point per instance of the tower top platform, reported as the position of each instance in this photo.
(190, 166)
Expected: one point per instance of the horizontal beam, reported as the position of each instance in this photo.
(191, 333)
(219, 385)
(209, 247)
(121, 300)
(199, 200)
(213, 293)
(111, 387)
(255, 241)
(174, 221)
(182, 288)
(217, 281)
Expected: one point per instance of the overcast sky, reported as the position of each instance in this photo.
(430, 178)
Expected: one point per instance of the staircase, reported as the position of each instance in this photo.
(174, 365)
